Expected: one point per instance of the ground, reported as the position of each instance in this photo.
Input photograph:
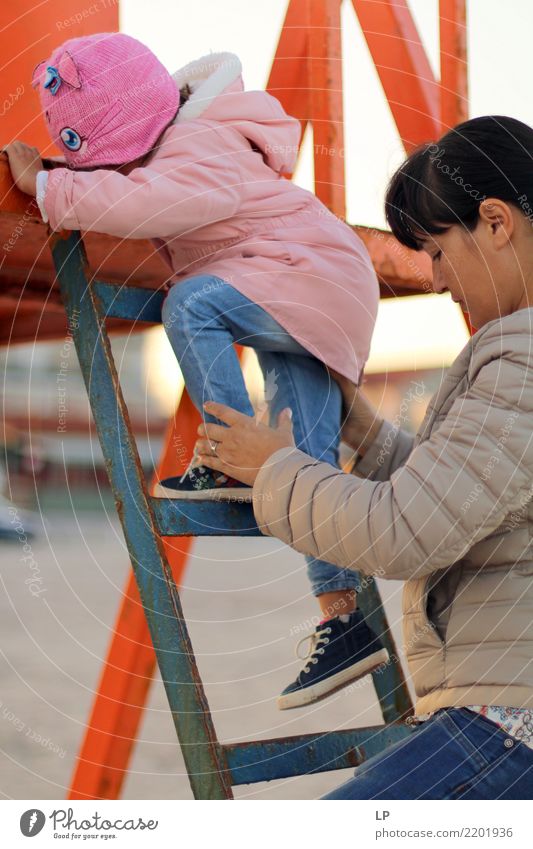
(246, 604)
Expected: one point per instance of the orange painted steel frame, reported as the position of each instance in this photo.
(306, 76)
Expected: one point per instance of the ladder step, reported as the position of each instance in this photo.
(176, 517)
(266, 760)
(128, 302)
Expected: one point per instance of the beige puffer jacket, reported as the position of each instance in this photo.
(450, 511)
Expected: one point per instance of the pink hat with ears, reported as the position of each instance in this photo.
(106, 98)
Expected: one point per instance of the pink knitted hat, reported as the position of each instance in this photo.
(106, 98)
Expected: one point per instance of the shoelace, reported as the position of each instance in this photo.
(220, 479)
(190, 466)
(315, 648)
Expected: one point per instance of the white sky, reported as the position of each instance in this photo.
(499, 42)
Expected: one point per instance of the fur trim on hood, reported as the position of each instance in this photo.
(218, 95)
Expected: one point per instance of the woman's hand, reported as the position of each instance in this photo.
(24, 161)
(243, 446)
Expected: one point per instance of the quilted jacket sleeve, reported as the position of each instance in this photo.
(177, 191)
(454, 488)
(387, 453)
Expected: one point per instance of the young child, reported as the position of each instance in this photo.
(197, 164)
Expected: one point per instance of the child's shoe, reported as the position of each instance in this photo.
(340, 652)
(201, 483)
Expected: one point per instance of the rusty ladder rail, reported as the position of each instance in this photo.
(213, 768)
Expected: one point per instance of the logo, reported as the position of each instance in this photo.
(32, 822)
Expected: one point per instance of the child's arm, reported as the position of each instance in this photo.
(177, 192)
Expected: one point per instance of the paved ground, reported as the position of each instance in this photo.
(241, 597)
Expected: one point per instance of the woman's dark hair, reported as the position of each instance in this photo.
(443, 183)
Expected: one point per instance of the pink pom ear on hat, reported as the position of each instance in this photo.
(65, 67)
(68, 70)
(38, 73)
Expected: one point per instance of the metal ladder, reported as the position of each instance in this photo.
(213, 768)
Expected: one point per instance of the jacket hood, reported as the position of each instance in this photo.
(218, 95)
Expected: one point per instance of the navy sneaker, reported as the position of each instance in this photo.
(201, 483)
(340, 652)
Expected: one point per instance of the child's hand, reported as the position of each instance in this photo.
(24, 161)
(242, 448)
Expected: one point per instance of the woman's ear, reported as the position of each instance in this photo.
(496, 215)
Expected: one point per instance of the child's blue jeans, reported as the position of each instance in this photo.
(203, 316)
(455, 754)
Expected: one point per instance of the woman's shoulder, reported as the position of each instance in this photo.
(501, 360)
(507, 337)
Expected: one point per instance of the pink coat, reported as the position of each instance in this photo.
(213, 200)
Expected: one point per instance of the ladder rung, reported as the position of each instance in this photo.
(212, 768)
(176, 517)
(266, 760)
(129, 302)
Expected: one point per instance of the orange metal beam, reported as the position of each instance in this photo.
(129, 667)
(29, 33)
(287, 80)
(30, 304)
(403, 67)
(453, 63)
(326, 109)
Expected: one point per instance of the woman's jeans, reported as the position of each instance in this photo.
(203, 316)
(456, 754)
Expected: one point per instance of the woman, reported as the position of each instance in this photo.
(449, 511)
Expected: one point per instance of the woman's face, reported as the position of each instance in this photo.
(486, 270)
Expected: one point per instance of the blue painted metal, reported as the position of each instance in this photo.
(212, 768)
(267, 760)
(203, 518)
(159, 594)
(389, 679)
(127, 302)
